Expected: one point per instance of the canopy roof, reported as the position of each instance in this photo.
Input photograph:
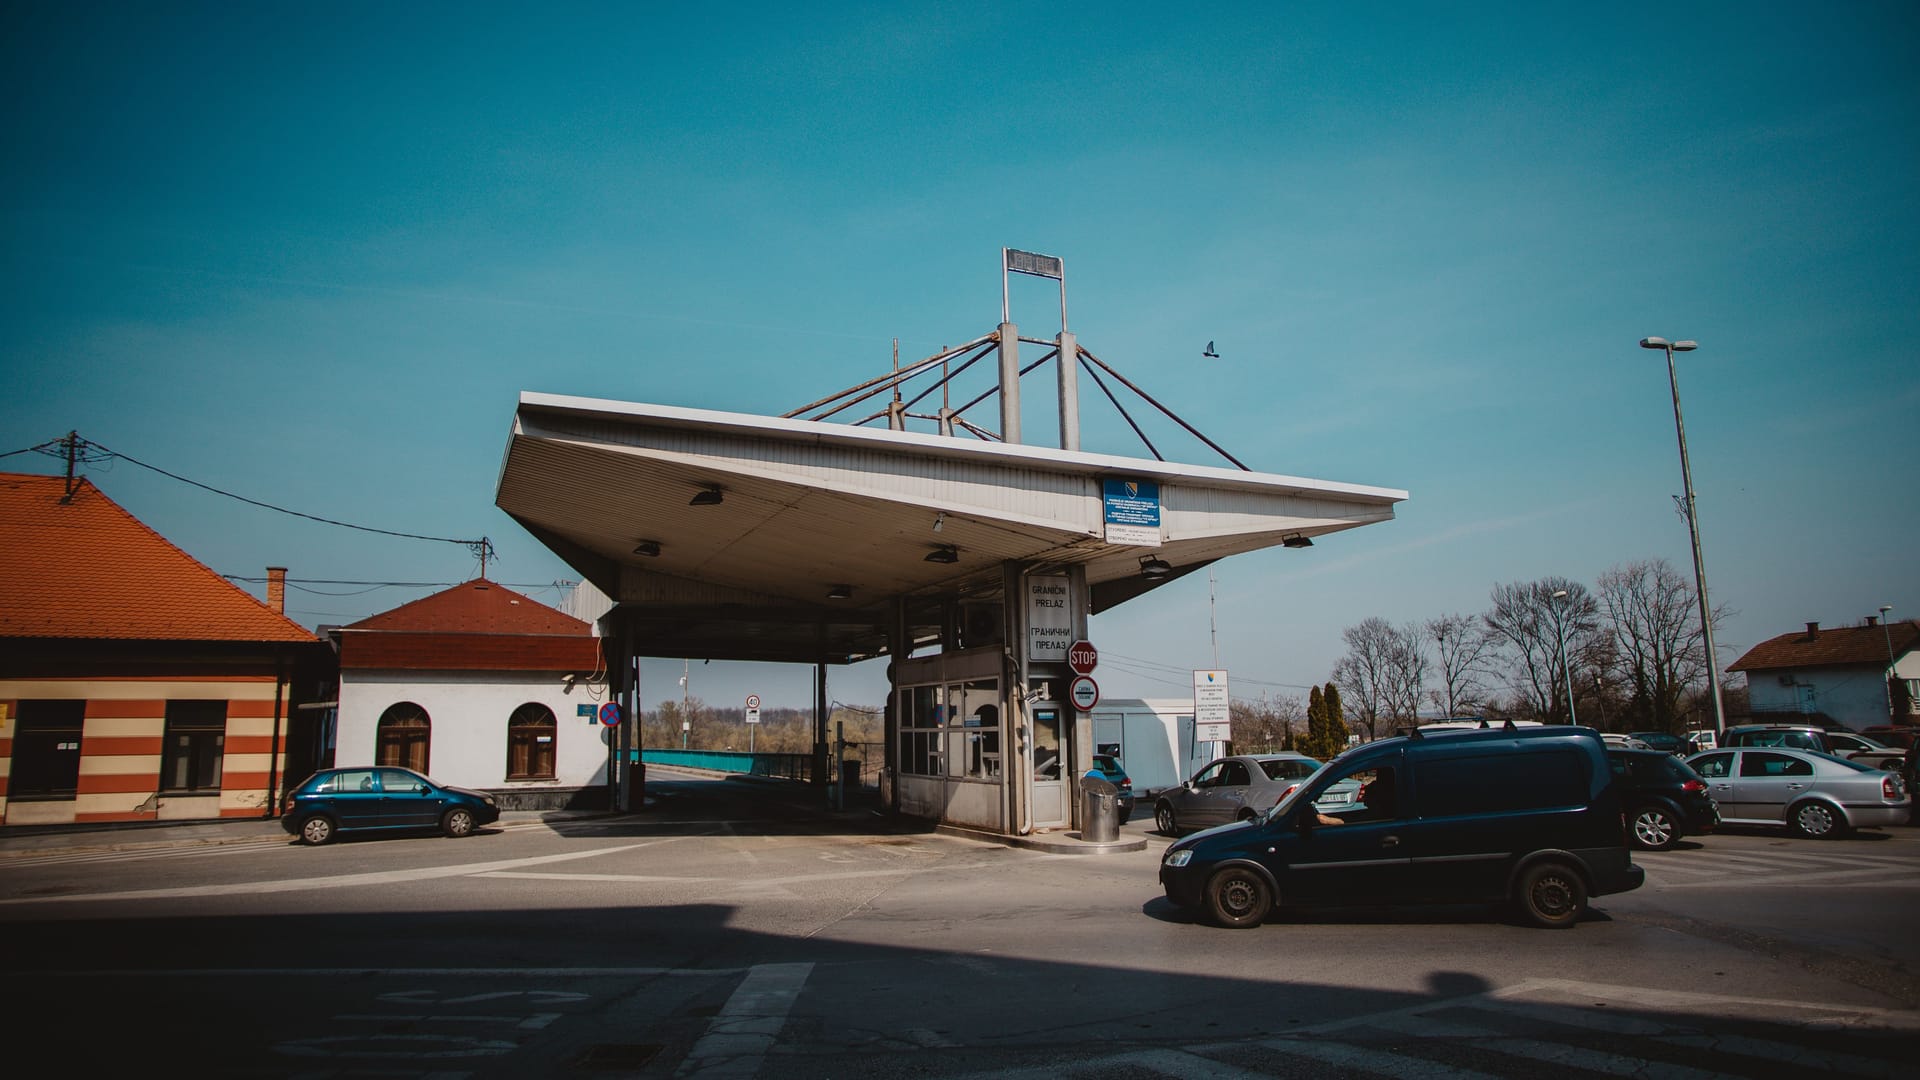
(806, 506)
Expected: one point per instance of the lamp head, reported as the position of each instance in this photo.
(1685, 346)
(1653, 343)
(1154, 568)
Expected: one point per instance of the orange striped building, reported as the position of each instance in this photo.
(135, 683)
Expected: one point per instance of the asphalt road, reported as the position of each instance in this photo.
(730, 930)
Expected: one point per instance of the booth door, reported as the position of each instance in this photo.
(1049, 786)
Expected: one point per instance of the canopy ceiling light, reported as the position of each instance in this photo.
(707, 497)
(945, 553)
(840, 592)
(1296, 540)
(1155, 568)
(649, 548)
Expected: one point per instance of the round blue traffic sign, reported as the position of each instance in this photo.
(610, 713)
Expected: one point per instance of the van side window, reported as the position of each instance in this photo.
(1501, 782)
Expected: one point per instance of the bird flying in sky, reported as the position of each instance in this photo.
(1210, 353)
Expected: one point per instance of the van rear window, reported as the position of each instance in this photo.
(1501, 782)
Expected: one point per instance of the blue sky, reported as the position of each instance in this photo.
(312, 255)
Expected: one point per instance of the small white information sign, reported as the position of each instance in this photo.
(1212, 717)
(1049, 617)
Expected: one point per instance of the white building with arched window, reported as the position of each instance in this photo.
(481, 687)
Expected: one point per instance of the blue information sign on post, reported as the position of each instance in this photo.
(610, 713)
(1132, 512)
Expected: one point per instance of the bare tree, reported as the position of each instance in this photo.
(1528, 623)
(1406, 673)
(1659, 651)
(1461, 645)
(1266, 724)
(1377, 671)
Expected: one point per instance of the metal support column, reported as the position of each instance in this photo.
(1069, 362)
(1009, 383)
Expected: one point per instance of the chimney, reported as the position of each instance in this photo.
(1873, 621)
(277, 589)
(1813, 629)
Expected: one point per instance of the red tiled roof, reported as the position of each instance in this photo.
(475, 607)
(86, 568)
(1831, 647)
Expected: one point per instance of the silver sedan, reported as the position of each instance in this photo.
(1814, 794)
(1238, 788)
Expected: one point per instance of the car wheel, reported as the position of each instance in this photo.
(1238, 898)
(1816, 820)
(1551, 895)
(457, 822)
(1654, 829)
(316, 830)
(1164, 821)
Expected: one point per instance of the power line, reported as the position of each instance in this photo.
(77, 449)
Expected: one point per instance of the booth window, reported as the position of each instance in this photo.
(403, 737)
(530, 740)
(923, 714)
(976, 750)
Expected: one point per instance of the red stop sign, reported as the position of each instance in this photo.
(1082, 657)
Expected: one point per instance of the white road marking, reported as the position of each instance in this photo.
(747, 1025)
(347, 881)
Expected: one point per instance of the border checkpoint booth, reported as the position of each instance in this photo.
(971, 562)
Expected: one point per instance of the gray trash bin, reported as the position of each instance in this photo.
(1100, 810)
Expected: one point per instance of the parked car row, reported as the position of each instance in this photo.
(1529, 815)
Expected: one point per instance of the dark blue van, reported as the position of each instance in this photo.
(1530, 816)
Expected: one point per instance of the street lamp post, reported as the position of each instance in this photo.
(1693, 526)
(1887, 633)
(1561, 622)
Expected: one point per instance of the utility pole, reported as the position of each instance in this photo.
(686, 718)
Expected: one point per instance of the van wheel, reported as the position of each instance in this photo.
(1163, 820)
(1238, 898)
(1816, 820)
(1654, 829)
(1550, 895)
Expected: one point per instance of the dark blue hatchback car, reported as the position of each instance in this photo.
(372, 798)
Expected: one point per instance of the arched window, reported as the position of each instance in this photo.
(531, 731)
(403, 737)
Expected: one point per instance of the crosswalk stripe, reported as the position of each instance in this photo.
(1617, 1023)
(1364, 1059)
(1574, 1057)
(1797, 1056)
